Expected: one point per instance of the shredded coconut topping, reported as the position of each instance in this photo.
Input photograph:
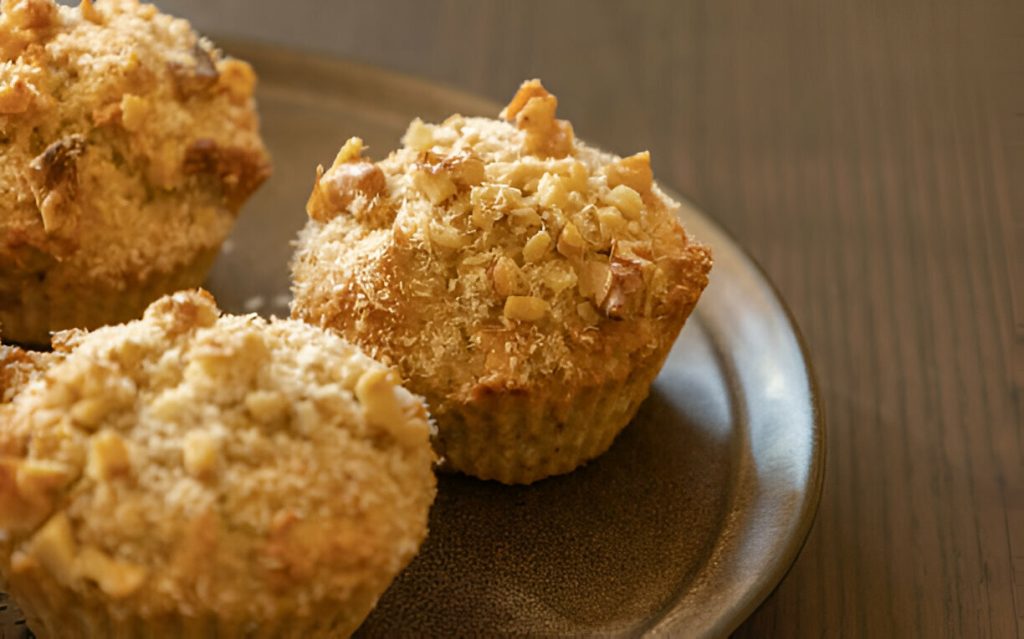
(489, 253)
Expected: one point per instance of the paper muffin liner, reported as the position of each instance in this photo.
(44, 307)
(52, 612)
(521, 436)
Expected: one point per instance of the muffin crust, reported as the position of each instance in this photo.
(192, 465)
(493, 257)
(127, 145)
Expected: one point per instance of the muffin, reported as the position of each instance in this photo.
(528, 285)
(196, 475)
(127, 145)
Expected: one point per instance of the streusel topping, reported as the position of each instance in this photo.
(191, 461)
(127, 142)
(495, 252)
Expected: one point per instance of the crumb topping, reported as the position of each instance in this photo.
(189, 461)
(495, 253)
(127, 142)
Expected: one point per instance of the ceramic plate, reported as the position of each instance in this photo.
(681, 529)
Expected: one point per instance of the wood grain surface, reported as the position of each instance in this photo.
(870, 155)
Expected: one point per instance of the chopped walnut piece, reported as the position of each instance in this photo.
(54, 176)
(89, 12)
(135, 111)
(240, 171)
(570, 243)
(447, 237)
(634, 172)
(266, 406)
(533, 110)
(558, 275)
(117, 578)
(200, 77)
(16, 96)
(30, 14)
(623, 294)
(527, 90)
(236, 78)
(388, 405)
(108, 456)
(419, 136)
(611, 223)
(537, 246)
(438, 187)
(587, 313)
(627, 200)
(508, 278)
(525, 308)
(341, 184)
(53, 546)
(90, 411)
(200, 451)
(593, 279)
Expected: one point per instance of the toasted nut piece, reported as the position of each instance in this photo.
(236, 78)
(266, 406)
(31, 14)
(508, 278)
(16, 96)
(391, 407)
(53, 546)
(626, 200)
(419, 136)
(447, 237)
(89, 412)
(611, 223)
(436, 186)
(525, 217)
(89, 12)
(525, 308)
(558, 276)
(553, 191)
(375, 392)
(587, 313)
(37, 477)
(537, 246)
(200, 453)
(341, 184)
(468, 171)
(624, 294)
(108, 456)
(135, 112)
(593, 279)
(117, 578)
(527, 90)
(634, 172)
(570, 242)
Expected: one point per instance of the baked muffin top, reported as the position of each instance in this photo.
(191, 461)
(127, 142)
(497, 254)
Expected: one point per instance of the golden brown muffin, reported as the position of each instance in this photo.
(197, 475)
(127, 145)
(528, 285)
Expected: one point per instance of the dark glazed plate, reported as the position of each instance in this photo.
(681, 529)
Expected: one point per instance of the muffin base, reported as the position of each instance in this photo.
(44, 307)
(519, 436)
(53, 612)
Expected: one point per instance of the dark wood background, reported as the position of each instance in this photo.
(870, 155)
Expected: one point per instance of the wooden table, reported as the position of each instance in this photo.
(871, 156)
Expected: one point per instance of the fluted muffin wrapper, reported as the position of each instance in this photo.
(54, 613)
(519, 437)
(43, 307)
